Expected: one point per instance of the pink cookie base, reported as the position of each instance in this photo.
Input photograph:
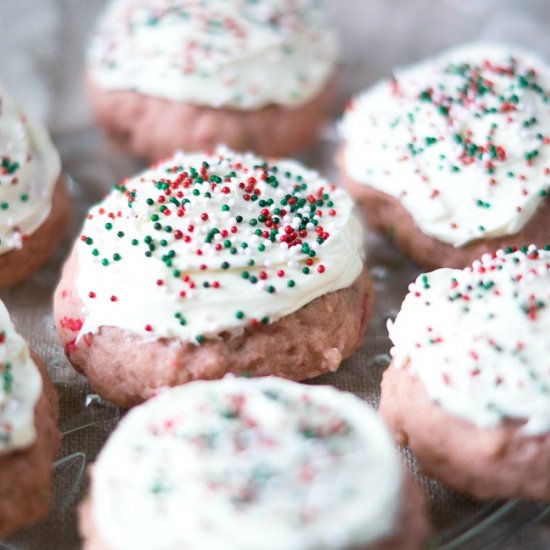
(486, 463)
(127, 369)
(153, 128)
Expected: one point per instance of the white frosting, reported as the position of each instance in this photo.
(247, 464)
(460, 140)
(211, 272)
(20, 388)
(29, 169)
(478, 339)
(243, 54)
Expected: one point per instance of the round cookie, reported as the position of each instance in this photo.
(276, 465)
(450, 158)
(209, 264)
(468, 387)
(29, 438)
(34, 203)
(164, 75)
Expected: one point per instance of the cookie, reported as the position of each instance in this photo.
(469, 387)
(451, 157)
(164, 75)
(275, 464)
(29, 439)
(34, 203)
(209, 264)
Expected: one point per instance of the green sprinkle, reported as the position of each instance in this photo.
(425, 283)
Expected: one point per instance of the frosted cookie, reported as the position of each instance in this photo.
(34, 204)
(209, 264)
(249, 464)
(253, 75)
(451, 157)
(29, 439)
(469, 386)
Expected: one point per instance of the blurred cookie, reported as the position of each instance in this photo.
(213, 263)
(165, 74)
(248, 464)
(468, 389)
(34, 203)
(451, 157)
(29, 439)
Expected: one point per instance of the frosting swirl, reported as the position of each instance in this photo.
(461, 140)
(29, 169)
(242, 54)
(478, 338)
(275, 464)
(20, 388)
(198, 245)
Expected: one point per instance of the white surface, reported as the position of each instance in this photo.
(20, 388)
(478, 341)
(239, 54)
(466, 166)
(28, 180)
(246, 465)
(216, 297)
